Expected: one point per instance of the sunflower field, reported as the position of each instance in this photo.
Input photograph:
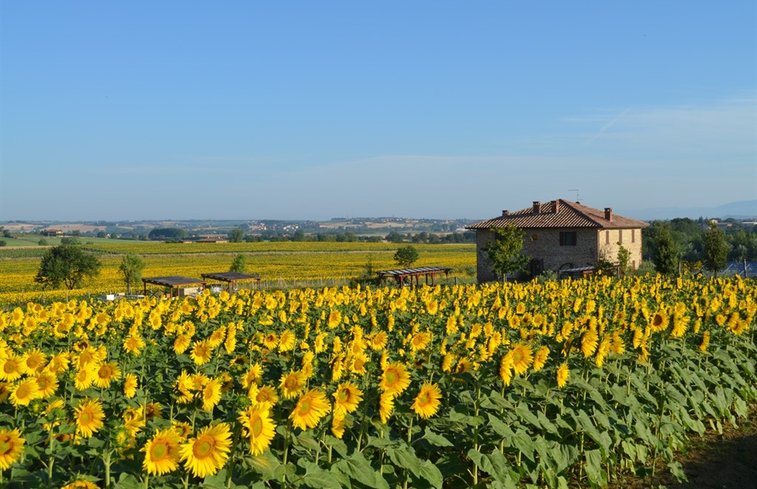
(544, 384)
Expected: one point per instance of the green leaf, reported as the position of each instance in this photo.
(524, 412)
(523, 442)
(316, 477)
(501, 428)
(676, 470)
(594, 466)
(436, 439)
(216, 481)
(432, 474)
(546, 423)
(356, 467)
(127, 481)
(405, 457)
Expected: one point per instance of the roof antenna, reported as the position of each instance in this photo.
(576, 191)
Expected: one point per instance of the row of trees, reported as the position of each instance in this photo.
(69, 265)
(669, 249)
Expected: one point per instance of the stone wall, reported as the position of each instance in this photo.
(544, 244)
(611, 239)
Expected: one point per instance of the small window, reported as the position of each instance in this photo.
(633, 235)
(607, 237)
(620, 236)
(567, 238)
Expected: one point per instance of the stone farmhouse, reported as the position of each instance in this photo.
(562, 235)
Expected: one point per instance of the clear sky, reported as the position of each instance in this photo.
(318, 109)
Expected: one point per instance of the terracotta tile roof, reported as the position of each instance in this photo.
(560, 214)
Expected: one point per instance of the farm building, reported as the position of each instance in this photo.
(562, 235)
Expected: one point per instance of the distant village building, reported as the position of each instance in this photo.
(51, 232)
(562, 235)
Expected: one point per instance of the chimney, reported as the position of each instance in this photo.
(537, 206)
(556, 206)
(608, 213)
(505, 212)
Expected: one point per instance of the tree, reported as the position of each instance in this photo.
(624, 260)
(505, 252)
(406, 256)
(131, 269)
(665, 253)
(239, 264)
(68, 265)
(236, 235)
(715, 249)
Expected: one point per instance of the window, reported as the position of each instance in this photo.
(567, 238)
(620, 236)
(633, 235)
(607, 237)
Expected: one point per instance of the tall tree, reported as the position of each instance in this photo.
(67, 265)
(665, 254)
(131, 270)
(715, 249)
(505, 252)
(239, 264)
(406, 256)
(236, 235)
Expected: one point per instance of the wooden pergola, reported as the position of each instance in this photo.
(232, 278)
(173, 283)
(427, 272)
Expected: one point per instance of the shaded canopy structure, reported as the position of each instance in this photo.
(409, 273)
(232, 278)
(175, 283)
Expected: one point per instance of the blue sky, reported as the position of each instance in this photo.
(312, 110)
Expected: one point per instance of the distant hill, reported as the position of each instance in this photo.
(745, 209)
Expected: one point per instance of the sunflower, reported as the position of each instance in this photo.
(207, 453)
(34, 360)
(540, 358)
(522, 357)
(80, 484)
(107, 373)
(89, 417)
(395, 379)
(337, 424)
(335, 318)
(133, 344)
(130, 385)
(270, 340)
(85, 376)
(562, 375)
(11, 368)
(660, 321)
(181, 343)
(259, 427)
(152, 410)
(347, 397)
(47, 383)
(292, 384)
(162, 452)
(25, 392)
(310, 408)
(386, 406)
(11, 447)
(589, 342)
(211, 394)
(287, 340)
(202, 352)
(420, 341)
(705, 342)
(427, 402)
(266, 395)
(506, 368)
